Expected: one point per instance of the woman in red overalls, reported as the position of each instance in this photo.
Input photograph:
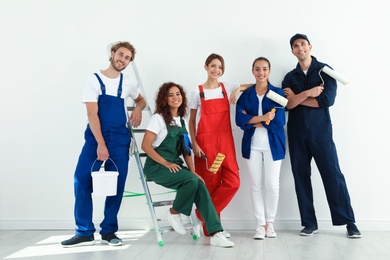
(213, 134)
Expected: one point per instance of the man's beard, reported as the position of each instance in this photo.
(115, 66)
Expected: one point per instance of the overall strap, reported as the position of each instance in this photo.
(120, 86)
(102, 86)
(183, 124)
(223, 89)
(201, 93)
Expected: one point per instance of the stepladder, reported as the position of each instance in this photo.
(162, 198)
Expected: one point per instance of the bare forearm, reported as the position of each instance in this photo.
(305, 98)
(192, 126)
(94, 124)
(310, 102)
(295, 100)
(140, 102)
(149, 150)
(189, 162)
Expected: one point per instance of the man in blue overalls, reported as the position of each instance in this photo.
(309, 131)
(106, 137)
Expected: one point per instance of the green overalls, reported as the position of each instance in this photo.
(190, 189)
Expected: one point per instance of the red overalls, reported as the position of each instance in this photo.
(214, 135)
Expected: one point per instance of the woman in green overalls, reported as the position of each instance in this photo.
(165, 167)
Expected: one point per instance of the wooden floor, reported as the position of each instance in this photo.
(142, 244)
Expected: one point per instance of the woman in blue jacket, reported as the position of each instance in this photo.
(263, 145)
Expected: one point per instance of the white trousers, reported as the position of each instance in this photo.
(264, 173)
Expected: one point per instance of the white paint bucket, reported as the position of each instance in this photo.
(104, 183)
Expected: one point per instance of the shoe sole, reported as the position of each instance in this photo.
(105, 242)
(225, 246)
(307, 234)
(88, 243)
(354, 236)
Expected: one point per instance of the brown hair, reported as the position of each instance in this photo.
(214, 56)
(162, 107)
(126, 45)
(261, 58)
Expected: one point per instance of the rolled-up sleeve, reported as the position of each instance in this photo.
(328, 96)
(241, 118)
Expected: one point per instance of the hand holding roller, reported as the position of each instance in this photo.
(277, 99)
(273, 110)
(216, 164)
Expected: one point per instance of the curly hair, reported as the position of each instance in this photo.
(162, 106)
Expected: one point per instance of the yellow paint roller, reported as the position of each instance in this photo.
(216, 164)
(273, 110)
(278, 99)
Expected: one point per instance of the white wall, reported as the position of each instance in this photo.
(49, 47)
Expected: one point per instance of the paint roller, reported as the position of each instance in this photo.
(278, 99)
(334, 75)
(216, 164)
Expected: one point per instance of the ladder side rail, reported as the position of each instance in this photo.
(140, 86)
(148, 198)
(146, 188)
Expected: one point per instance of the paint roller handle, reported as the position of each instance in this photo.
(273, 110)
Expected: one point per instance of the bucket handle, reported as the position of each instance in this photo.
(102, 166)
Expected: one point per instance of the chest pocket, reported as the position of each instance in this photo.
(216, 106)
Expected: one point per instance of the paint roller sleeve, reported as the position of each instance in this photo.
(277, 98)
(335, 75)
(217, 163)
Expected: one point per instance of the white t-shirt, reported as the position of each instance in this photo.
(260, 136)
(194, 98)
(92, 88)
(157, 125)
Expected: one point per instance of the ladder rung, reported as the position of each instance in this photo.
(147, 108)
(138, 130)
(162, 203)
(165, 229)
(142, 155)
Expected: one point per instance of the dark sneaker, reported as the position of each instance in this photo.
(111, 239)
(309, 231)
(79, 241)
(353, 231)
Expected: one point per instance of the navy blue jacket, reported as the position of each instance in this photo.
(249, 102)
(304, 116)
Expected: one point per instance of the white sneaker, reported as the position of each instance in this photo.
(270, 231)
(260, 233)
(176, 222)
(220, 240)
(226, 234)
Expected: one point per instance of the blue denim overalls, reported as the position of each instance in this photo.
(113, 120)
